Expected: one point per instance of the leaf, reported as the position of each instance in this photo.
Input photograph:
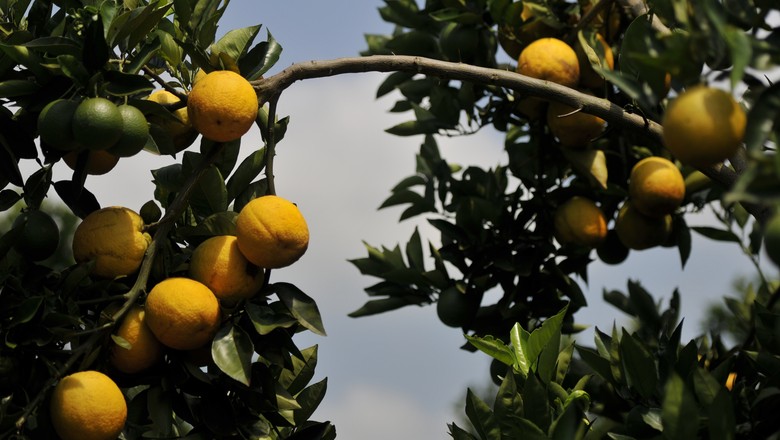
(717, 234)
(236, 42)
(680, 411)
(519, 338)
(260, 59)
(412, 128)
(493, 347)
(508, 403)
(537, 413)
(459, 433)
(95, 51)
(383, 305)
(79, 199)
(309, 399)
(638, 365)
(232, 351)
(37, 186)
(267, 319)
(125, 84)
(481, 417)
(302, 307)
(543, 345)
(296, 379)
(8, 198)
(722, 420)
(13, 88)
(210, 194)
(249, 168)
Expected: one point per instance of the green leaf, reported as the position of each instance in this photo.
(13, 88)
(232, 351)
(639, 366)
(249, 168)
(260, 59)
(414, 252)
(8, 198)
(519, 338)
(302, 307)
(680, 411)
(543, 345)
(537, 413)
(761, 118)
(235, 43)
(126, 84)
(459, 433)
(296, 379)
(309, 399)
(210, 194)
(37, 186)
(383, 305)
(73, 68)
(493, 347)
(267, 318)
(717, 234)
(509, 403)
(412, 128)
(722, 420)
(481, 417)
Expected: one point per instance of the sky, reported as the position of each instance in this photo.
(399, 374)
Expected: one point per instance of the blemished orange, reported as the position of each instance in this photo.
(182, 313)
(638, 231)
(580, 221)
(271, 232)
(656, 186)
(703, 126)
(114, 238)
(573, 128)
(550, 59)
(219, 264)
(222, 106)
(144, 351)
(88, 405)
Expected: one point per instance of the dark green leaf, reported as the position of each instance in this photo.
(383, 305)
(302, 307)
(459, 433)
(249, 168)
(481, 417)
(722, 420)
(37, 186)
(8, 198)
(125, 84)
(537, 413)
(309, 399)
(232, 351)
(73, 68)
(267, 318)
(261, 58)
(296, 379)
(717, 234)
(680, 411)
(13, 88)
(639, 366)
(96, 52)
(493, 347)
(236, 42)
(210, 194)
(79, 199)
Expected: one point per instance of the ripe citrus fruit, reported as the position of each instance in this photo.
(656, 186)
(612, 250)
(219, 264)
(456, 309)
(588, 76)
(222, 106)
(550, 59)
(55, 124)
(271, 232)
(39, 237)
(97, 123)
(98, 162)
(579, 221)
(772, 238)
(114, 239)
(574, 129)
(513, 40)
(135, 132)
(638, 231)
(178, 126)
(703, 126)
(145, 350)
(88, 405)
(182, 313)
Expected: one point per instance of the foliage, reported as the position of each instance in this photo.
(495, 229)
(254, 381)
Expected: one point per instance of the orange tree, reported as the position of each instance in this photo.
(173, 305)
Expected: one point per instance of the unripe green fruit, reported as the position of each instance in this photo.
(135, 132)
(55, 124)
(97, 123)
(39, 237)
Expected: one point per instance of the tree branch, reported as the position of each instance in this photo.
(614, 114)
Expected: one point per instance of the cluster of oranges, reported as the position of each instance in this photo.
(184, 311)
(702, 126)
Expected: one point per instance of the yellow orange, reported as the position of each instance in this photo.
(550, 59)
(219, 264)
(182, 313)
(271, 232)
(88, 405)
(144, 351)
(656, 186)
(580, 221)
(222, 106)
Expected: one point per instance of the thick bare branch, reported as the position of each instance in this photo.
(614, 114)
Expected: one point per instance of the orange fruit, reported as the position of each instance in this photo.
(574, 129)
(656, 186)
(144, 351)
(638, 231)
(588, 76)
(98, 162)
(179, 126)
(703, 126)
(222, 106)
(219, 264)
(271, 232)
(114, 239)
(579, 221)
(88, 405)
(550, 59)
(182, 313)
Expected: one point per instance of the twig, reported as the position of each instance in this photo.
(602, 5)
(182, 96)
(270, 151)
